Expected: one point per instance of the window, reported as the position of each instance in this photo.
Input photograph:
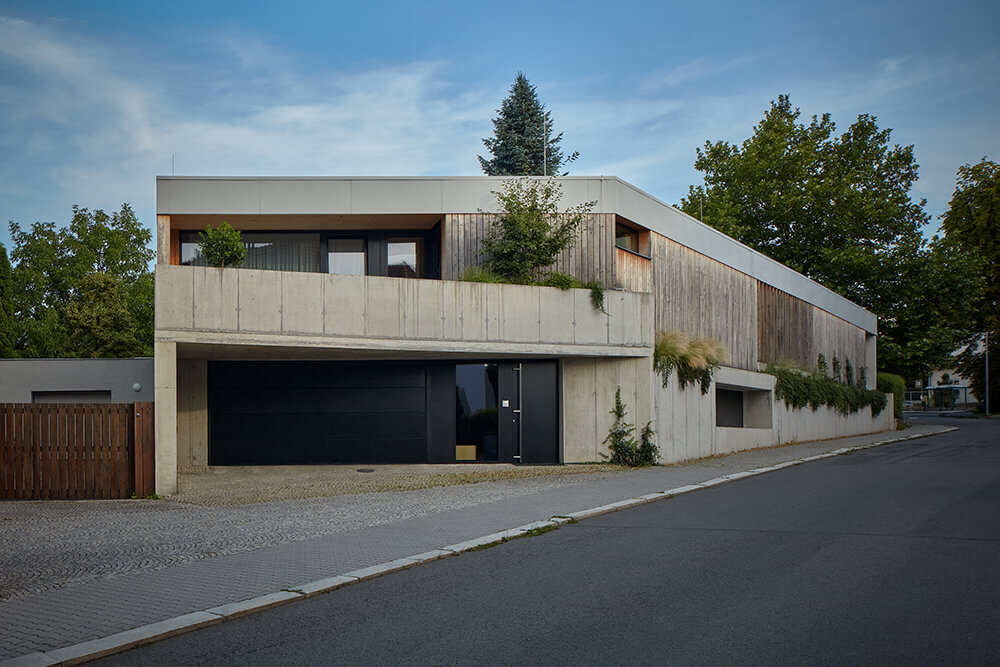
(265, 250)
(346, 256)
(397, 253)
(626, 238)
(404, 258)
(728, 408)
(68, 396)
(743, 407)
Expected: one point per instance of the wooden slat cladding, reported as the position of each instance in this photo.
(791, 329)
(705, 299)
(591, 256)
(632, 272)
(50, 451)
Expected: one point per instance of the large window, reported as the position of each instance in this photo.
(265, 250)
(400, 254)
(346, 257)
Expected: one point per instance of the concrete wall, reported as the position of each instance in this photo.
(588, 396)
(281, 308)
(19, 377)
(192, 415)
(685, 419)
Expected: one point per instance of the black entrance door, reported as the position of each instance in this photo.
(529, 412)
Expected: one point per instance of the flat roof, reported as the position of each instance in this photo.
(371, 195)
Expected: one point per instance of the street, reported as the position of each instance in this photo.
(889, 555)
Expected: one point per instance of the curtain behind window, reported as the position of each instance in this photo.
(265, 250)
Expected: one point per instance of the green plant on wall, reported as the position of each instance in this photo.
(694, 359)
(563, 281)
(222, 245)
(625, 449)
(799, 388)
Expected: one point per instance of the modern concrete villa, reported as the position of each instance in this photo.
(348, 336)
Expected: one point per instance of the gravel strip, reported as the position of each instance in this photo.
(260, 484)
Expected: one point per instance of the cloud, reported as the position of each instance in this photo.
(92, 121)
(700, 68)
(94, 124)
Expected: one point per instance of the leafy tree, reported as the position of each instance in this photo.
(837, 208)
(6, 306)
(55, 267)
(99, 319)
(522, 142)
(924, 305)
(973, 223)
(531, 230)
(222, 245)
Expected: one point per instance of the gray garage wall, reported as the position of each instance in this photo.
(20, 377)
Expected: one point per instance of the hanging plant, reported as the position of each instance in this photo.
(799, 388)
(695, 359)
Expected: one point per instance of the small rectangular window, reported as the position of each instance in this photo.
(347, 257)
(626, 239)
(69, 396)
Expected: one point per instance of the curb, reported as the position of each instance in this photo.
(147, 634)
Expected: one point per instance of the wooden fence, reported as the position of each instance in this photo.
(73, 450)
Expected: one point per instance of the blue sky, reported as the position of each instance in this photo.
(95, 97)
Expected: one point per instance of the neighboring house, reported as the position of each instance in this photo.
(76, 380)
(347, 336)
(948, 390)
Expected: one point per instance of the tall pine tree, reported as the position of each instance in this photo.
(522, 142)
(6, 306)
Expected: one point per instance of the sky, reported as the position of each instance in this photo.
(97, 98)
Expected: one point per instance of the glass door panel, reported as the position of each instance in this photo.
(476, 412)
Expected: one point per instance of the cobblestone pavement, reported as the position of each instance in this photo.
(53, 544)
(76, 571)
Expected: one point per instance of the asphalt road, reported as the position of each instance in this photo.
(886, 556)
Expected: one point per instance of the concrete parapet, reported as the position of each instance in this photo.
(280, 308)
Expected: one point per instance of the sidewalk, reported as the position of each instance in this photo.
(87, 579)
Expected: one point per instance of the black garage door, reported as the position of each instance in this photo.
(290, 413)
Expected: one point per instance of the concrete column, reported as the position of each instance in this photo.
(198, 413)
(165, 382)
(163, 239)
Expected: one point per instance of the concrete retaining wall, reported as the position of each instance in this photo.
(685, 419)
(588, 396)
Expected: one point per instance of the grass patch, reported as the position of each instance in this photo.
(534, 532)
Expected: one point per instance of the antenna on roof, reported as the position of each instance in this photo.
(545, 147)
(171, 164)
